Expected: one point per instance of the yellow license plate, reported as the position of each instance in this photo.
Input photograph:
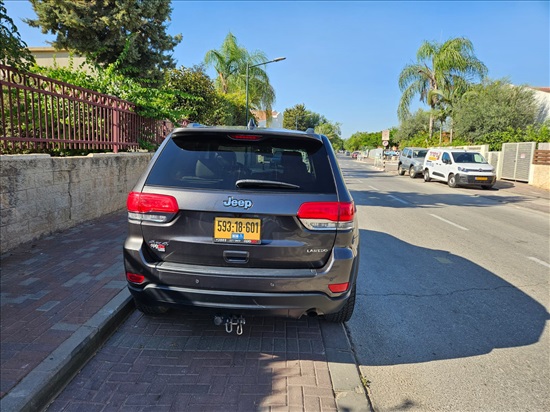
(481, 178)
(237, 230)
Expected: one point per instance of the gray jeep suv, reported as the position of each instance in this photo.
(243, 221)
(411, 160)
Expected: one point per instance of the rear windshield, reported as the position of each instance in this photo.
(216, 161)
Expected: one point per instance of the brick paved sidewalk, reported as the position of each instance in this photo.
(181, 361)
(51, 287)
(62, 295)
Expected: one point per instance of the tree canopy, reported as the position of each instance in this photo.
(200, 99)
(333, 132)
(299, 118)
(446, 67)
(413, 125)
(230, 62)
(13, 50)
(99, 30)
(362, 140)
(198, 96)
(494, 106)
(329, 129)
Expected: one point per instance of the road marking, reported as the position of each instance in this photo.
(399, 200)
(373, 188)
(449, 222)
(540, 262)
(443, 260)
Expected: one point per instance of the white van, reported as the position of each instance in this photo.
(458, 167)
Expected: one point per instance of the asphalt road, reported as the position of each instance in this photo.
(453, 297)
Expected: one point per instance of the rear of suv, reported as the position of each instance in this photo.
(243, 221)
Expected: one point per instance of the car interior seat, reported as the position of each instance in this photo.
(295, 170)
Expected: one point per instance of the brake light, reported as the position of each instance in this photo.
(338, 287)
(245, 136)
(327, 215)
(135, 278)
(151, 207)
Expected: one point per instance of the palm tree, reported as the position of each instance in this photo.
(230, 62)
(446, 100)
(439, 68)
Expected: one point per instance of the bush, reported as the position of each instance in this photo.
(150, 102)
(538, 133)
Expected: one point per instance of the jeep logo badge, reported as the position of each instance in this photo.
(230, 202)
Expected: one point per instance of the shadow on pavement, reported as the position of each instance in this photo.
(439, 306)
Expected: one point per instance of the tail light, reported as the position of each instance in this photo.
(327, 215)
(338, 287)
(135, 278)
(151, 207)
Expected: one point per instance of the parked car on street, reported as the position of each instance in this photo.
(391, 154)
(355, 154)
(458, 167)
(213, 225)
(411, 160)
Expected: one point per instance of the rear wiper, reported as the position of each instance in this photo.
(264, 184)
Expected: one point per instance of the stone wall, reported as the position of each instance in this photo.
(40, 194)
(540, 176)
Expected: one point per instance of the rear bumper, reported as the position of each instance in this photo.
(277, 292)
(292, 305)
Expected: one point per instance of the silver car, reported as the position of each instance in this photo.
(411, 160)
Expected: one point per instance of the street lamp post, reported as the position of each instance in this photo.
(248, 66)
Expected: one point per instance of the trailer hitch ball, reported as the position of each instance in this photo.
(230, 322)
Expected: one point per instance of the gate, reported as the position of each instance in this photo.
(516, 160)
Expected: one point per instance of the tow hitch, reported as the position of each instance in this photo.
(229, 322)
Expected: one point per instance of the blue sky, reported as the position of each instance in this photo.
(343, 58)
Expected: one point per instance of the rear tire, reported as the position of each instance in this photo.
(412, 173)
(150, 309)
(344, 314)
(400, 170)
(427, 175)
(452, 180)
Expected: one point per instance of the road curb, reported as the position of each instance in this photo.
(348, 389)
(41, 386)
